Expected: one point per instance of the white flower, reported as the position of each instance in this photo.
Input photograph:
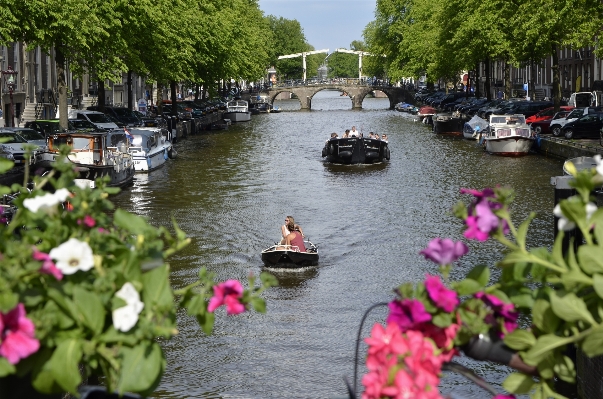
(599, 167)
(46, 202)
(126, 317)
(73, 255)
(564, 223)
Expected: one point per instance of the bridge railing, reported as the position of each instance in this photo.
(332, 81)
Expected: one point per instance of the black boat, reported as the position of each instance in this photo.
(447, 124)
(285, 256)
(355, 150)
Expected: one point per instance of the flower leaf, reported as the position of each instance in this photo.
(520, 339)
(467, 286)
(206, 321)
(593, 343)
(8, 301)
(129, 222)
(5, 367)
(518, 383)
(90, 309)
(544, 345)
(570, 308)
(522, 230)
(481, 274)
(64, 364)
(543, 316)
(156, 289)
(142, 365)
(598, 284)
(591, 258)
(259, 305)
(564, 368)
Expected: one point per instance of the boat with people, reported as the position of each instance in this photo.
(95, 155)
(447, 124)
(508, 135)
(355, 150)
(237, 111)
(150, 148)
(288, 256)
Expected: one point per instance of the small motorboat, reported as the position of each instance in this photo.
(356, 150)
(287, 256)
(580, 163)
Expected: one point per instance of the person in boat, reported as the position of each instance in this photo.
(334, 135)
(376, 136)
(354, 132)
(288, 227)
(296, 239)
(371, 135)
(384, 137)
(346, 134)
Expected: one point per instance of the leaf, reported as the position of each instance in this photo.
(268, 280)
(130, 222)
(90, 309)
(520, 339)
(522, 230)
(543, 316)
(590, 258)
(467, 287)
(6, 368)
(518, 383)
(64, 364)
(570, 308)
(206, 321)
(141, 367)
(598, 284)
(544, 345)
(441, 320)
(564, 368)
(593, 342)
(481, 274)
(156, 288)
(8, 301)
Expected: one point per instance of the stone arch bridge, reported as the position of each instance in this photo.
(356, 92)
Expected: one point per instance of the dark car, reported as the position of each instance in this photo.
(124, 115)
(544, 125)
(45, 126)
(82, 125)
(528, 108)
(587, 126)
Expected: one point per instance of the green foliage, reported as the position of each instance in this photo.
(76, 317)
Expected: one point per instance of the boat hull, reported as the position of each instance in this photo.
(146, 163)
(512, 146)
(289, 259)
(448, 126)
(238, 116)
(356, 151)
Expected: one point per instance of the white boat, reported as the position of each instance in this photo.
(95, 155)
(508, 135)
(149, 148)
(237, 111)
(580, 163)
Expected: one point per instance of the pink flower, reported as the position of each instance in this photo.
(444, 252)
(17, 339)
(503, 310)
(88, 221)
(481, 220)
(227, 293)
(407, 314)
(384, 342)
(486, 193)
(443, 339)
(444, 298)
(48, 267)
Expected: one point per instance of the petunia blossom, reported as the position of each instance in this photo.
(88, 221)
(445, 299)
(227, 293)
(473, 231)
(126, 317)
(384, 342)
(565, 224)
(599, 167)
(73, 255)
(407, 314)
(17, 335)
(48, 266)
(503, 310)
(47, 202)
(444, 251)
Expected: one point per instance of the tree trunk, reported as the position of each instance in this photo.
(174, 98)
(197, 87)
(477, 92)
(61, 86)
(130, 99)
(488, 81)
(532, 81)
(508, 83)
(556, 82)
(159, 99)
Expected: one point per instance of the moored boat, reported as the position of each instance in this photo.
(580, 163)
(150, 149)
(95, 155)
(287, 256)
(473, 127)
(237, 111)
(508, 135)
(426, 113)
(447, 124)
(356, 150)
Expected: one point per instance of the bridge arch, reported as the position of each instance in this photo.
(356, 92)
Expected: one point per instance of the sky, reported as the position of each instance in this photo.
(327, 24)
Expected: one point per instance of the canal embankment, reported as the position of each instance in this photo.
(566, 149)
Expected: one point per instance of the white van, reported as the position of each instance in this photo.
(583, 99)
(100, 120)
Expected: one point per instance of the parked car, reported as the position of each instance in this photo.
(30, 135)
(15, 148)
(122, 114)
(45, 126)
(587, 126)
(543, 126)
(82, 125)
(546, 115)
(100, 120)
(557, 124)
(528, 108)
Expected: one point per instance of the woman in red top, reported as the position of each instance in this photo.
(295, 239)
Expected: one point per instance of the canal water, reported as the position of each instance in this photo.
(231, 190)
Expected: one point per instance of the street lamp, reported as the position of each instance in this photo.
(10, 77)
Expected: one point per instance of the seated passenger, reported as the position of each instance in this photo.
(376, 136)
(384, 137)
(346, 134)
(354, 132)
(288, 227)
(334, 135)
(371, 135)
(295, 239)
